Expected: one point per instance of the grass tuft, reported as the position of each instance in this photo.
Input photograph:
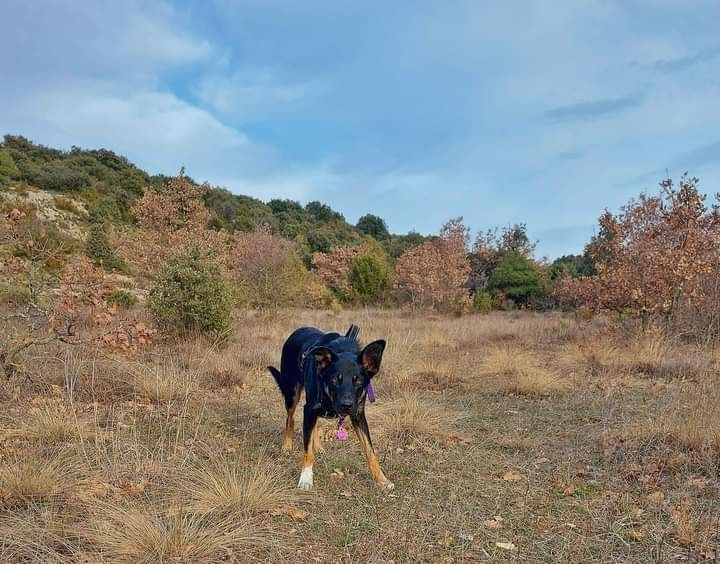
(144, 535)
(227, 487)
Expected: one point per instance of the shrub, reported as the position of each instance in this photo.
(57, 176)
(369, 278)
(334, 268)
(8, 168)
(483, 302)
(99, 249)
(517, 277)
(105, 210)
(268, 270)
(121, 298)
(191, 294)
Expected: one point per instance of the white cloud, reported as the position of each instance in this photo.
(251, 94)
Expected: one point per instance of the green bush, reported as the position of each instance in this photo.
(373, 226)
(98, 248)
(517, 277)
(483, 302)
(8, 168)
(104, 210)
(191, 294)
(121, 298)
(369, 278)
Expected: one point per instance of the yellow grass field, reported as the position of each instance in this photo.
(509, 437)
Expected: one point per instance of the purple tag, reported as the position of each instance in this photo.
(370, 392)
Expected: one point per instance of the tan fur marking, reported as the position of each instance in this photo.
(316, 442)
(290, 423)
(372, 459)
(309, 455)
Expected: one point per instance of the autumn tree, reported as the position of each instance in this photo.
(267, 269)
(491, 245)
(168, 219)
(334, 268)
(434, 274)
(654, 256)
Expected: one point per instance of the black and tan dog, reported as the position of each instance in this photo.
(335, 374)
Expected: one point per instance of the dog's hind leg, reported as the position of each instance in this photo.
(362, 431)
(290, 405)
(309, 430)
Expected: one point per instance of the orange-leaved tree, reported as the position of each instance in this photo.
(434, 275)
(268, 269)
(654, 256)
(169, 219)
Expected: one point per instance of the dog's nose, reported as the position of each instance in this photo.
(346, 405)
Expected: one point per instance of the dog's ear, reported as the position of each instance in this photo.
(323, 356)
(371, 357)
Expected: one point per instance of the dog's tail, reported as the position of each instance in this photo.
(286, 387)
(352, 332)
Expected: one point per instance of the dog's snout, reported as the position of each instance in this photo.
(346, 405)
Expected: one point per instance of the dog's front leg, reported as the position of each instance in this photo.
(309, 430)
(362, 431)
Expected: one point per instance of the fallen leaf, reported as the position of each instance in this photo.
(512, 476)
(569, 490)
(635, 535)
(656, 497)
(542, 460)
(296, 514)
(506, 545)
(458, 439)
(492, 524)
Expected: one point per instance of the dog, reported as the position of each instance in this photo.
(335, 373)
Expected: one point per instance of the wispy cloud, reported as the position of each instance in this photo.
(699, 157)
(595, 109)
(681, 63)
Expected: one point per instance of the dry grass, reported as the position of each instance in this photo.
(696, 425)
(411, 418)
(31, 480)
(594, 356)
(229, 487)
(166, 382)
(143, 535)
(619, 461)
(51, 423)
(37, 535)
(521, 373)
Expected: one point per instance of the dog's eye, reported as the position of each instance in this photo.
(338, 378)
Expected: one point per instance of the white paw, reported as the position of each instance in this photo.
(387, 485)
(306, 479)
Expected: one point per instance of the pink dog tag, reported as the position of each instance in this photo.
(341, 432)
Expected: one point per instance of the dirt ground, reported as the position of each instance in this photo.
(509, 437)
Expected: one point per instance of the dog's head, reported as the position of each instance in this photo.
(344, 376)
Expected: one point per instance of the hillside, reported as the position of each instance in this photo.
(107, 185)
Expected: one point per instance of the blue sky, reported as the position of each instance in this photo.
(418, 111)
